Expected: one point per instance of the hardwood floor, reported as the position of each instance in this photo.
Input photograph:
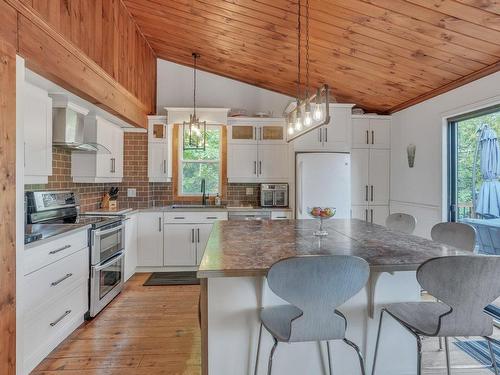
(155, 331)
(145, 330)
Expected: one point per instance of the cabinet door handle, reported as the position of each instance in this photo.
(326, 135)
(198, 235)
(192, 235)
(260, 167)
(179, 218)
(371, 215)
(366, 193)
(373, 137)
(54, 283)
(111, 166)
(367, 136)
(320, 135)
(260, 134)
(254, 133)
(164, 166)
(55, 322)
(59, 250)
(255, 167)
(211, 217)
(366, 214)
(159, 224)
(371, 195)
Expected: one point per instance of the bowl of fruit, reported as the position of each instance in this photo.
(322, 213)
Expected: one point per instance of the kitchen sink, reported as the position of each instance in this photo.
(200, 206)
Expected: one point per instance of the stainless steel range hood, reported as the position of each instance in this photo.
(68, 128)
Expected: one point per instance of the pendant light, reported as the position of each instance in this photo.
(310, 111)
(194, 132)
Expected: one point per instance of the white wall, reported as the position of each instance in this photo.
(175, 89)
(419, 190)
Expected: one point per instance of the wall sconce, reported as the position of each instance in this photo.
(410, 150)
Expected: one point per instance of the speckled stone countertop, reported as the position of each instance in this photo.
(249, 248)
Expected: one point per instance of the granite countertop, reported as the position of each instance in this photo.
(249, 248)
(51, 231)
(213, 208)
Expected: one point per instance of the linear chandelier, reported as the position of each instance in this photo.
(310, 111)
(194, 131)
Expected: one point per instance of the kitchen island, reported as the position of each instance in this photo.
(233, 269)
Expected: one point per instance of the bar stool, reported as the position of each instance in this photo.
(460, 235)
(400, 222)
(465, 285)
(314, 286)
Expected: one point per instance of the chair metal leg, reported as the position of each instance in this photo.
(440, 343)
(492, 355)
(360, 356)
(419, 354)
(270, 364)
(328, 351)
(258, 351)
(377, 342)
(447, 350)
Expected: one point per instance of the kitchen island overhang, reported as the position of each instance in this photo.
(232, 274)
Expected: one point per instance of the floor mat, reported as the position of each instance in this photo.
(172, 278)
(478, 349)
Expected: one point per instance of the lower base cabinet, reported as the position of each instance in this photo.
(185, 243)
(131, 225)
(371, 214)
(150, 239)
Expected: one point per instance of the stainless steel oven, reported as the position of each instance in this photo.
(274, 195)
(106, 281)
(107, 252)
(106, 241)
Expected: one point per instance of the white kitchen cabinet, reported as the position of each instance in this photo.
(359, 176)
(371, 214)
(202, 234)
(252, 130)
(37, 135)
(157, 162)
(334, 137)
(104, 166)
(180, 245)
(370, 176)
(360, 212)
(131, 227)
(242, 163)
(159, 155)
(150, 239)
(371, 132)
(272, 163)
(281, 215)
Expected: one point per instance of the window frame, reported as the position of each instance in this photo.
(177, 160)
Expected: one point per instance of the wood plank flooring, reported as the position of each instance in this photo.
(155, 331)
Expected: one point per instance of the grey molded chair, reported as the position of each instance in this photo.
(465, 285)
(460, 235)
(314, 286)
(400, 222)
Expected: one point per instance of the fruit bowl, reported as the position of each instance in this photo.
(321, 213)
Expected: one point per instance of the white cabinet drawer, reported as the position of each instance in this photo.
(40, 256)
(281, 215)
(194, 217)
(50, 281)
(47, 326)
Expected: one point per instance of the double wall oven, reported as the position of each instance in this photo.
(106, 241)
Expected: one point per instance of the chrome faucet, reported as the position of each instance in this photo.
(204, 196)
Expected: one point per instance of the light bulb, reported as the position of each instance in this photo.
(318, 113)
(196, 130)
(308, 119)
(298, 124)
(290, 130)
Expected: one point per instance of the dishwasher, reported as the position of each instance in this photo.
(249, 215)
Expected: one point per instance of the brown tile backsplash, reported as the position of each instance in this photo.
(135, 164)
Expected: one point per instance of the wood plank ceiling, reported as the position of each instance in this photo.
(380, 54)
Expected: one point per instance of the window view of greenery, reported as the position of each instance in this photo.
(199, 164)
(467, 138)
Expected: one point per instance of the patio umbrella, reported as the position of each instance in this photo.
(488, 198)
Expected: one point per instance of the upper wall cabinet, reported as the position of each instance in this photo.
(371, 132)
(159, 134)
(37, 135)
(257, 150)
(334, 137)
(245, 130)
(105, 165)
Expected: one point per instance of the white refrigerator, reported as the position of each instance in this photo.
(324, 180)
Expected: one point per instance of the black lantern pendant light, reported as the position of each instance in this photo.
(194, 131)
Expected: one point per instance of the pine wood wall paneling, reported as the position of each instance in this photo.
(8, 42)
(381, 53)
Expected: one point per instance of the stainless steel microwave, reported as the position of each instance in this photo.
(274, 195)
